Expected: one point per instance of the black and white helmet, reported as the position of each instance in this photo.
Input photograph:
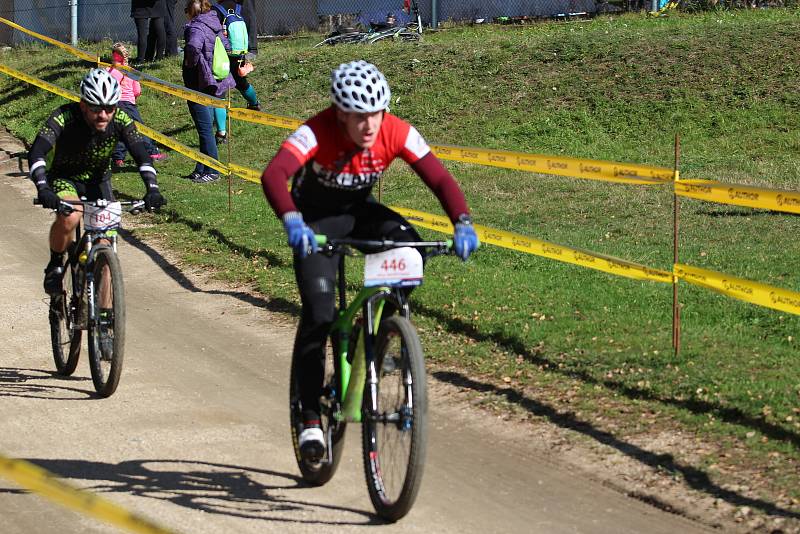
(359, 86)
(99, 88)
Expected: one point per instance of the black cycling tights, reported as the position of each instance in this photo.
(316, 280)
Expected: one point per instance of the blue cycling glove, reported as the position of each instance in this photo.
(301, 237)
(465, 240)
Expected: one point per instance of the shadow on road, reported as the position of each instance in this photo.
(275, 305)
(31, 383)
(695, 478)
(213, 488)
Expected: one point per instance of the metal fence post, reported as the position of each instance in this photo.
(73, 8)
(434, 14)
(676, 307)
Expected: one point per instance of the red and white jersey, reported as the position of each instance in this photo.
(336, 172)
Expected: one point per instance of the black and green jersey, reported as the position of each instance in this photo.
(83, 154)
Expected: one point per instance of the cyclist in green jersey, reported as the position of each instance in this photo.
(84, 135)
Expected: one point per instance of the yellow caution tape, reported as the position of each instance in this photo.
(69, 48)
(39, 83)
(740, 195)
(145, 79)
(563, 166)
(739, 288)
(38, 480)
(251, 175)
(166, 87)
(608, 171)
(183, 149)
(182, 92)
(149, 132)
(772, 199)
(553, 251)
(265, 118)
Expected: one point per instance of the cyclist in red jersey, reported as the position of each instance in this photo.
(334, 160)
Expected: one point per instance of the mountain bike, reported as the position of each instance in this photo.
(92, 296)
(374, 375)
(412, 31)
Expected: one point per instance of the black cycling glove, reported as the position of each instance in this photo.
(48, 198)
(153, 199)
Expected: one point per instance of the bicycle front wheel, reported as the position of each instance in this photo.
(394, 439)
(107, 326)
(65, 335)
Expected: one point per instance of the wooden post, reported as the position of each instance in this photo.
(676, 309)
(228, 123)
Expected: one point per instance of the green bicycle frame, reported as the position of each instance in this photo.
(353, 376)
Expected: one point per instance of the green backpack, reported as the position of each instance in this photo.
(236, 27)
(220, 64)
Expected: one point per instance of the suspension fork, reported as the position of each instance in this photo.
(94, 243)
(373, 309)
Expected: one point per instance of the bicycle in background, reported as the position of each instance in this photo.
(93, 296)
(374, 375)
(380, 31)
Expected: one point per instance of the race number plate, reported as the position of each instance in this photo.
(100, 218)
(399, 267)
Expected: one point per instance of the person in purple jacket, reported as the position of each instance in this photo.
(200, 33)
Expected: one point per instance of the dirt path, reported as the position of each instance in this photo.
(196, 436)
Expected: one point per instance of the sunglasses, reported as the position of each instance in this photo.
(97, 109)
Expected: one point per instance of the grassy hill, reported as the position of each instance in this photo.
(592, 348)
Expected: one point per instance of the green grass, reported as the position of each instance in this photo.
(585, 343)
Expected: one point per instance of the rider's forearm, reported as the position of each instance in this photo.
(36, 161)
(138, 149)
(443, 185)
(135, 144)
(274, 179)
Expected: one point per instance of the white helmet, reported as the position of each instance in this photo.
(359, 86)
(99, 88)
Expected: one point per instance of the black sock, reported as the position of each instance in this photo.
(56, 258)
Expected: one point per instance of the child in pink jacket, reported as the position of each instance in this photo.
(130, 89)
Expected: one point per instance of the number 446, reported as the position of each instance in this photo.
(394, 264)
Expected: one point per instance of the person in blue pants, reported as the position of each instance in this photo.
(239, 70)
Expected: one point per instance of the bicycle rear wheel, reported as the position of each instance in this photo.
(65, 335)
(394, 441)
(107, 326)
(318, 473)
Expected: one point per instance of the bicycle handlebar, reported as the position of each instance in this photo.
(134, 207)
(442, 247)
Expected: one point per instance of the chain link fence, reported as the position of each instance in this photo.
(99, 19)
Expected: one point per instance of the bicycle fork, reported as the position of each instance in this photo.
(373, 309)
